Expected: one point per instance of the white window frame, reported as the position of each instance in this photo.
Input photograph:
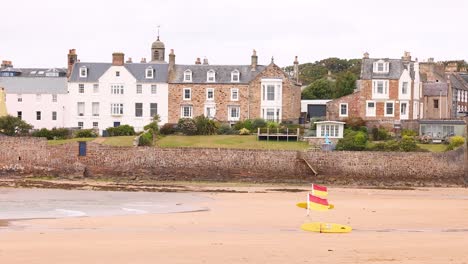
(233, 74)
(212, 111)
(149, 73)
(83, 72)
(368, 112)
(385, 66)
(139, 89)
(54, 115)
(393, 109)
(117, 89)
(230, 116)
(95, 108)
(141, 114)
(190, 93)
(96, 88)
(81, 88)
(54, 98)
(347, 110)
(406, 115)
(187, 73)
(236, 91)
(95, 125)
(208, 90)
(117, 109)
(117, 73)
(211, 76)
(151, 113)
(80, 125)
(190, 111)
(154, 89)
(38, 115)
(78, 108)
(385, 89)
(403, 87)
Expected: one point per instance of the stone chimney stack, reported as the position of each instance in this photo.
(406, 56)
(72, 59)
(129, 60)
(198, 61)
(205, 61)
(451, 67)
(431, 60)
(171, 61)
(254, 61)
(296, 70)
(143, 60)
(366, 55)
(118, 59)
(6, 64)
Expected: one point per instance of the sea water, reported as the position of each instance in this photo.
(53, 203)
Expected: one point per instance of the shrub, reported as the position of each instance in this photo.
(205, 126)
(168, 129)
(355, 123)
(13, 126)
(226, 129)
(455, 142)
(187, 126)
(258, 123)
(145, 139)
(54, 133)
(244, 131)
(408, 132)
(85, 133)
(379, 133)
(408, 144)
(154, 125)
(44, 132)
(352, 140)
(272, 125)
(123, 130)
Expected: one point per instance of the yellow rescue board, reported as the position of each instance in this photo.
(325, 227)
(304, 205)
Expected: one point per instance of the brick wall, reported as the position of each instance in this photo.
(32, 156)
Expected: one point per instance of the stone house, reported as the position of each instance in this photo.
(230, 93)
(435, 98)
(458, 94)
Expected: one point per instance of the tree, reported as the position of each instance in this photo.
(345, 84)
(13, 126)
(319, 89)
(153, 127)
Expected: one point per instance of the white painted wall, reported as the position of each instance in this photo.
(106, 98)
(405, 77)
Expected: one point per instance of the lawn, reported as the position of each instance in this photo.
(433, 147)
(228, 141)
(123, 141)
(55, 142)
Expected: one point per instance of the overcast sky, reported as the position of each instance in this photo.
(39, 33)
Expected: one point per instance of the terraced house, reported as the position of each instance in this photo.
(229, 93)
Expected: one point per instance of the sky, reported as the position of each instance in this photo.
(40, 33)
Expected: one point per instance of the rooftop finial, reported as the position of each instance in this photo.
(158, 31)
(272, 59)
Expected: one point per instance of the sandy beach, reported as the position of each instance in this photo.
(390, 226)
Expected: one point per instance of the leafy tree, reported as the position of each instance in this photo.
(345, 84)
(13, 126)
(319, 89)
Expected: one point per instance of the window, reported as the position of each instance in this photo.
(380, 89)
(54, 98)
(54, 115)
(19, 114)
(83, 72)
(38, 115)
(149, 73)
(404, 88)
(80, 108)
(80, 125)
(95, 108)
(20, 98)
(186, 111)
(270, 92)
(38, 97)
(344, 109)
(370, 108)
(117, 109)
(117, 74)
(81, 88)
(234, 94)
(403, 109)
(95, 125)
(210, 111)
(153, 109)
(270, 114)
(138, 109)
(329, 130)
(96, 88)
(436, 103)
(210, 94)
(154, 89)
(389, 108)
(381, 66)
(117, 89)
(139, 89)
(187, 76)
(235, 76)
(233, 113)
(187, 94)
(210, 76)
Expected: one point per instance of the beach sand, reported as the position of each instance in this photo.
(390, 226)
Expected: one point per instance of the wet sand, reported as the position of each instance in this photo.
(390, 226)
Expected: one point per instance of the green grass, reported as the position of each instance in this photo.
(123, 141)
(433, 147)
(228, 141)
(65, 141)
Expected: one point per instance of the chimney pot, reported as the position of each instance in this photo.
(118, 59)
(366, 55)
(143, 60)
(205, 61)
(129, 60)
(198, 61)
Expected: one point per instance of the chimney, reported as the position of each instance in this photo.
(451, 67)
(143, 60)
(406, 56)
(431, 60)
(129, 60)
(118, 59)
(205, 61)
(366, 55)
(6, 64)
(254, 61)
(72, 59)
(296, 69)
(198, 61)
(171, 61)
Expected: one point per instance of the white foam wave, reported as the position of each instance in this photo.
(71, 213)
(137, 211)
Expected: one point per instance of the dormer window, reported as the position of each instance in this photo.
(210, 76)
(83, 72)
(381, 66)
(187, 76)
(149, 73)
(235, 76)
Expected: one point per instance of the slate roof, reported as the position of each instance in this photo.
(443, 122)
(395, 69)
(435, 89)
(97, 69)
(223, 73)
(36, 72)
(458, 81)
(34, 85)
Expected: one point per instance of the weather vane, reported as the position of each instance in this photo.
(158, 30)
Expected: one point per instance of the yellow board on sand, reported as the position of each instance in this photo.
(304, 205)
(325, 227)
